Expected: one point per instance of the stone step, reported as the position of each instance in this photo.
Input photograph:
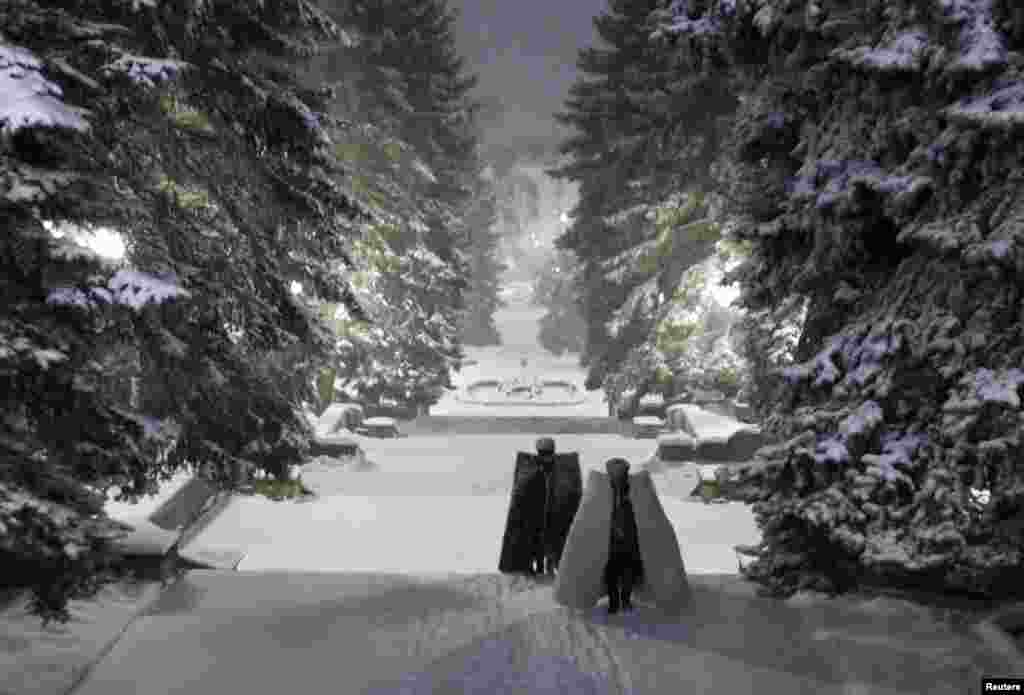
(533, 424)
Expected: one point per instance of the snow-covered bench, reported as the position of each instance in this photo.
(703, 436)
(332, 435)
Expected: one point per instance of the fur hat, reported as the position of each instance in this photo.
(545, 445)
(617, 468)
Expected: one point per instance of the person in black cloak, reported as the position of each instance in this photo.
(546, 493)
(624, 569)
(541, 560)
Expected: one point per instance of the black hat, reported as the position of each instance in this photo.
(617, 467)
(545, 445)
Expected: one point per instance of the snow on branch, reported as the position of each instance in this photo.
(684, 25)
(864, 358)
(643, 298)
(28, 99)
(992, 251)
(68, 250)
(863, 420)
(137, 289)
(153, 427)
(424, 255)
(837, 178)
(996, 387)
(642, 211)
(25, 184)
(902, 52)
(680, 22)
(145, 70)
(821, 365)
(861, 360)
(1002, 108)
(898, 449)
(128, 287)
(981, 46)
(28, 348)
(831, 449)
(423, 170)
(621, 266)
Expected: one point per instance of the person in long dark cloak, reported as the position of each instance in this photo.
(546, 493)
(542, 560)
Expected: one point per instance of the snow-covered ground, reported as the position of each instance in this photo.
(711, 424)
(227, 633)
(38, 660)
(141, 509)
(439, 504)
(431, 504)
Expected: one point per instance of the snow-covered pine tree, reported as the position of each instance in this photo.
(874, 163)
(418, 289)
(405, 288)
(485, 269)
(414, 45)
(175, 124)
(640, 219)
(695, 336)
(561, 328)
(413, 69)
(481, 238)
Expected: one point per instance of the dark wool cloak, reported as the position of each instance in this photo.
(539, 517)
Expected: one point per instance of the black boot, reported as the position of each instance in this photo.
(626, 589)
(614, 596)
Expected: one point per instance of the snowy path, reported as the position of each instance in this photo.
(430, 534)
(377, 634)
(439, 504)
